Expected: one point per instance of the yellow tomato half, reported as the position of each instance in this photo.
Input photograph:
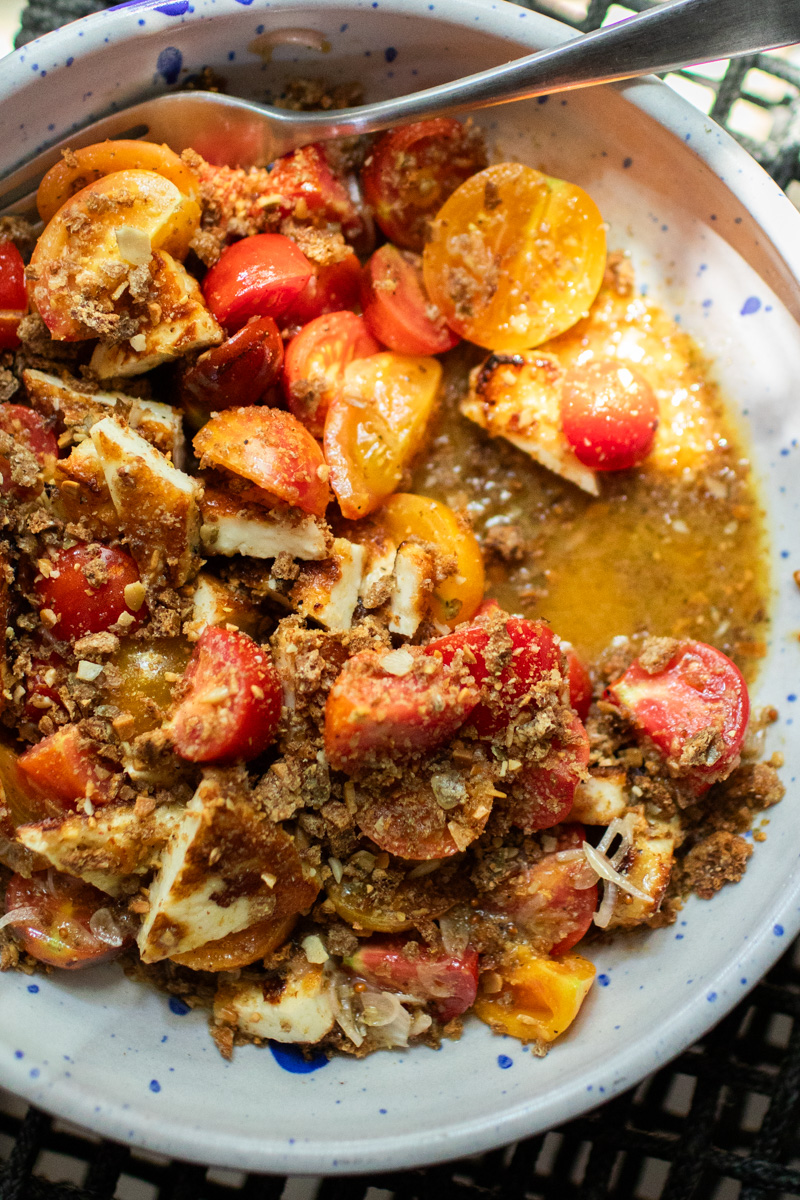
(540, 997)
(149, 671)
(515, 257)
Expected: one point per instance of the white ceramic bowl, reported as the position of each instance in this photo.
(719, 245)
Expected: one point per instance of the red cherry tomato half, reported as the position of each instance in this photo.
(332, 287)
(315, 362)
(531, 650)
(29, 429)
(240, 371)
(371, 713)
(38, 688)
(86, 590)
(609, 414)
(694, 709)
(580, 682)
(449, 981)
(259, 276)
(542, 793)
(547, 900)
(64, 922)
(412, 171)
(396, 306)
(312, 193)
(66, 767)
(232, 703)
(13, 294)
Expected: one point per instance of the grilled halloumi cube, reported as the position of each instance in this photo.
(106, 848)
(516, 396)
(601, 797)
(214, 603)
(648, 866)
(376, 581)
(231, 527)
(84, 492)
(411, 588)
(184, 325)
(223, 869)
(157, 505)
(300, 1009)
(328, 590)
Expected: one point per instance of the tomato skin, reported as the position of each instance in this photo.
(609, 414)
(559, 923)
(543, 792)
(13, 294)
(580, 682)
(273, 450)
(412, 171)
(79, 607)
(64, 765)
(332, 288)
(447, 980)
(259, 276)
(58, 932)
(240, 371)
(28, 428)
(241, 725)
(315, 361)
(534, 654)
(396, 305)
(698, 690)
(311, 191)
(36, 685)
(370, 712)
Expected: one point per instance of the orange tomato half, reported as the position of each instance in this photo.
(540, 997)
(514, 257)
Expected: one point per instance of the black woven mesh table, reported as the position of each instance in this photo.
(722, 1121)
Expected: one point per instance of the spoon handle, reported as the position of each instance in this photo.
(660, 39)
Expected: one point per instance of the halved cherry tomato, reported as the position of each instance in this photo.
(29, 429)
(412, 171)
(395, 908)
(542, 792)
(396, 306)
(580, 682)
(271, 449)
(144, 680)
(372, 713)
(528, 651)
(609, 414)
(64, 922)
(315, 361)
(311, 192)
(259, 276)
(546, 900)
(332, 288)
(240, 949)
(13, 294)
(65, 765)
(239, 372)
(514, 257)
(86, 590)
(449, 981)
(82, 167)
(376, 425)
(431, 815)
(22, 801)
(539, 998)
(232, 702)
(404, 516)
(694, 708)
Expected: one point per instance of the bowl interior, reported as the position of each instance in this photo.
(709, 240)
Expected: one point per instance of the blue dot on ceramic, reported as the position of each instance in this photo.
(169, 64)
(154, 1085)
(179, 1007)
(603, 980)
(777, 930)
(291, 1058)
(791, 697)
(711, 997)
(678, 937)
(383, 1111)
(70, 61)
(785, 454)
(231, 55)
(34, 1073)
(707, 303)
(542, 99)
(246, 3)
(390, 54)
(176, 9)
(627, 162)
(33, 988)
(504, 1062)
(743, 981)
(19, 1054)
(343, 28)
(751, 305)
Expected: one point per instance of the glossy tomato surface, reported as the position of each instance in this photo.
(332, 287)
(239, 372)
(64, 765)
(64, 922)
(397, 308)
(259, 276)
(543, 792)
(609, 414)
(86, 590)
(315, 362)
(450, 981)
(29, 429)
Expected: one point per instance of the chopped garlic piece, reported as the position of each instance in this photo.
(87, 672)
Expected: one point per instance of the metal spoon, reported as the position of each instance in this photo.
(251, 134)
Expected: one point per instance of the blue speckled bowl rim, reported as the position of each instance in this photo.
(775, 214)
